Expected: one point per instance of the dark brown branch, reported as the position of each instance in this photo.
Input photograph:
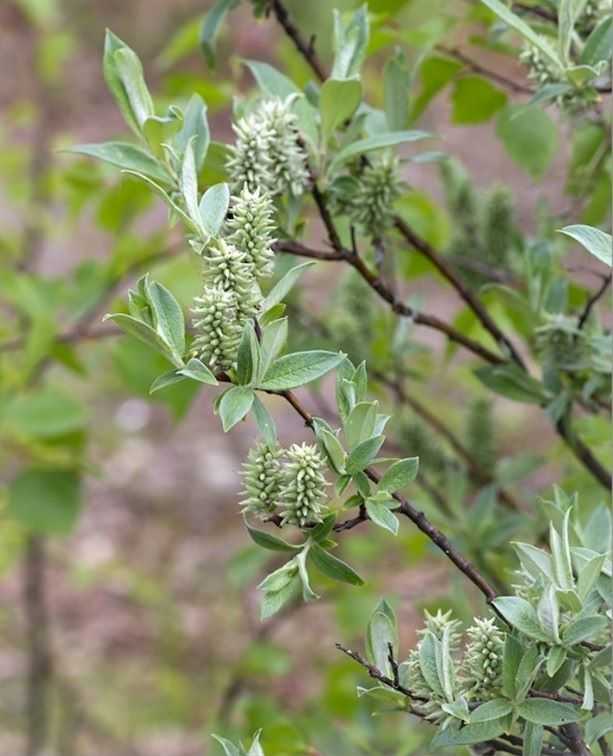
(376, 674)
(477, 68)
(583, 453)
(306, 49)
(591, 302)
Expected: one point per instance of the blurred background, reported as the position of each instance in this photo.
(153, 627)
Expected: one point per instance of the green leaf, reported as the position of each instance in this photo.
(377, 142)
(213, 208)
(332, 566)
(195, 130)
(256, 749)
(381, 633)
(165, 380)
(435, 73)
(582, 629)
(360, 424)
(495, 709)
(545, 712)
(568, 13)
(146, 334)
(381, 515)
(265, 422)
(234, 405)
(113, 78)
(520, 614)
(597, 242)
(555, 659)
(189, 188)
(168, 319)
(363, 454)
(228, 746)
(45, 501)
(299, 368)
(210, 27)
(130, 72)
(533, 739)
(588, 574)
(475, 100)
(350, 43)
(271, 81)
(42, 413)
(396, 89)
(399, 475)
(560, 557)
(274, 338)
(471, 733)
(334, 450)
(307, 592)
(124, 155)
(268, 541)
(511, 381)
(520, 26)
(529, 136)
(599, 726)
(275, 600)
(536, 561)
(512, 656)
(599, 45)
(248, 359)
(198, 371)
(338, 100)
(280, 290)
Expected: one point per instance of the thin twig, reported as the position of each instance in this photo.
(473, 65)
(591, 302)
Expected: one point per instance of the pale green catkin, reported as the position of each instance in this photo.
(228, 268)
(267, 153)
(482, 665)
(498, 226)
(217, 328)
(372, 205)
(262, 481)
(480, 437)
(304, 485)
(561, 344)
(250, 229)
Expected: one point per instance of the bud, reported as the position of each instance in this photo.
(482, 667)
(262, 480)
(267, 154)
(378, 187)
(225, 267)
(250, 229)
(217, 328)
(304, 486)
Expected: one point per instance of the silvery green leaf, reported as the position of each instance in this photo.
(598, 727)
(274, 338)
(428, 665)
(380, 634)
(560, 555)
(333, 567)
(535, 561)
(513, 382)
(168, 319)
(588, 574)
(334, 450)
(555, 659)
(458, 709)
(130, 73)
(396, 89)
(548, 612)
(272, 82)
(265, 422)
(112, 44)
(249, 356)
(145, 333)
(545, 712)
(583, 629)
(363, 454)
(533, 739)
(282, 288)
(189, 188)
(124, 155)
(511, 660)
(195, 130)
(213, 208)
(198, 371)
(471, 733)
(322, 530)
(588, 690)
(378, 142)
(520, 614)
(299, 368)
(338, 100)
(228, 746)
(350, 43)
(599, 45)
(272, 601)
(399, 474)
(307, 592)
(380, 514)
(256, 748)
(360, 423)
(568, 12)
(166, 379)
(234, 405)
(268, 541)
(597, 242)
(498, 707)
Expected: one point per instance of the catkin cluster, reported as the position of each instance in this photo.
(482, 667)
(231, 268)
(372, 205)
(286, 481)
(267, 154)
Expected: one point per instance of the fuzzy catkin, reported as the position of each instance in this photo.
(262, 481)
(480, 438)
(250, 229)
(482, 665)
(498, 226)
(228, 268)
(304, 485)
(267, 153)
(378, 187)
(217, 328)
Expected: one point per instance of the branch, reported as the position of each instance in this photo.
(591, 302)
(514, 86)
(303, 47)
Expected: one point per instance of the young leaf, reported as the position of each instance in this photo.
(511, 381)
(511, 660)
(228, 746)
(363, 454)
(307, 592)
(274, 337)
(332, 566)
(272, 601)
(210, 27)
(126, 156)
(396, 88)
(268, 541)
(555, 659)
(213, 208)
(112, 76)
(380, 635)
(198, 371)
(520, 614)
(380, 513)
(168, 318)
(249, 358)
(234, 405)
(399, 475)
(495, 709)
(189, 188)
(334, 451)
(471, 733)
(582, 629)
(350, 43)
(597, 242)
(599, 45)
(376, 142)
(545, 712)
(598, 727)
(338, 100)
(166, 379)
(299, 368)
(265, 422)
(272, 82)
(533, 739)
(280, 290)
(130, 73)
(145, 333)
(195, 130)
